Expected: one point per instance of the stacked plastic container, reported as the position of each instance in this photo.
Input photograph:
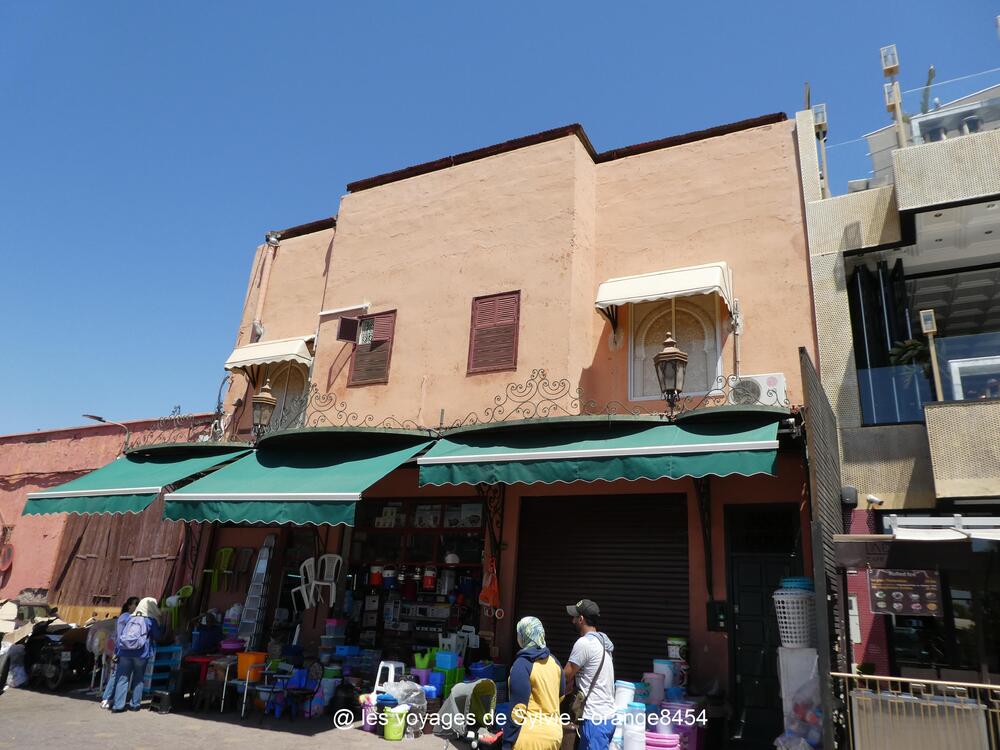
(624, 695)
(336, 631)
(795, 607)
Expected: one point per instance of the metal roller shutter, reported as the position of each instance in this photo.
(629, 554)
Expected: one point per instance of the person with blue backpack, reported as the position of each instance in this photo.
(127, 609)
(136, 637)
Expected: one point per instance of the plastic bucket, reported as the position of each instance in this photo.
(423, 675)
(395, 722)
(245, 659)
(422, 661)
(482, 670)
(624, 694)
(657, 687)
(368, 716)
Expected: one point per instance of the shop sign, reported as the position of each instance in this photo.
(914, 593)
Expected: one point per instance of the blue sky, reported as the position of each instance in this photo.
(145, 148)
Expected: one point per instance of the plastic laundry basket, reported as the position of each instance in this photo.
(796, 611)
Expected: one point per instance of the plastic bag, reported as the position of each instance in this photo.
(410, 694)
(489, 595)
(16, 676)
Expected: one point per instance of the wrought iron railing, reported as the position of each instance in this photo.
(896, 713)
(537, 397)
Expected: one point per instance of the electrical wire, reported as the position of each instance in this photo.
(953, 80)
(921, 88)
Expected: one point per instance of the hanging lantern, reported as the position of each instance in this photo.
(670, 364)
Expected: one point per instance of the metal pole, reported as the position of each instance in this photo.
(938, 391)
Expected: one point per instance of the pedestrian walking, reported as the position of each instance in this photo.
(590, 670)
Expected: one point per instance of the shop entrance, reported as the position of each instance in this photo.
(763, 546)
(627, 553)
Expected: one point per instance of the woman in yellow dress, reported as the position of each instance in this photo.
(535, 684)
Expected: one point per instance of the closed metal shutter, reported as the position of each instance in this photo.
(627, 553)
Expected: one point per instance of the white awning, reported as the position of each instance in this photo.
(711, 278)
(906, 534)
(271, 352)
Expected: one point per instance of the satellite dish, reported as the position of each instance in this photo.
(6, 557)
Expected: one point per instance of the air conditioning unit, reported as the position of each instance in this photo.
(759, 390)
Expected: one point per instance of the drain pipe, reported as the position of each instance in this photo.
(737, 320)
(272, 239)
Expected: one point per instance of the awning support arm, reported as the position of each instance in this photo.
(611, 313)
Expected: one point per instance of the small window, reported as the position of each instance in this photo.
(370, 363)
(493, 334)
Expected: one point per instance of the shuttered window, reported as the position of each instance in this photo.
(370, 363)
(493, 336)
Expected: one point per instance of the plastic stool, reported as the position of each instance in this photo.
(160, 702)
(392, 669)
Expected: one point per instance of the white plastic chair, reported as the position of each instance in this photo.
(327, 574)
(393, 672)
(307, 583)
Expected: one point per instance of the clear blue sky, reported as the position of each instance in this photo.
(145, 148)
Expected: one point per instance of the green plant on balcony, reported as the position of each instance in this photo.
(914, 355)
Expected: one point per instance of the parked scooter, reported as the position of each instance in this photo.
(52, 661)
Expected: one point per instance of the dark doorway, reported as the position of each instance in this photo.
(764, 545)
(629, 553)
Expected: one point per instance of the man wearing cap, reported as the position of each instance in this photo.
(592, 669)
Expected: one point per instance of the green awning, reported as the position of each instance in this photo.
(304, 477)
(131, 482)
(605, 450)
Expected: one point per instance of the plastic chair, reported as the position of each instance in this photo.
(327, 574)
(303, 688)
(223, 558)
(307, 585)
(183, 594)
(242, 566)
(393, 672)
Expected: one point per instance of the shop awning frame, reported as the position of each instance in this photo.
(606, 449)
(301, 476)
(131, 482)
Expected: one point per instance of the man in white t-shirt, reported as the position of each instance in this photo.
(592, 670)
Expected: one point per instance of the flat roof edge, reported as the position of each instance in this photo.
(562, 132)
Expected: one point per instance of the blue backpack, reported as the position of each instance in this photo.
(135, 634)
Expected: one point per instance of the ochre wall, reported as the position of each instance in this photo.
(547, 220)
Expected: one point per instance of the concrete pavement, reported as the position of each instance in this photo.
(73, 720)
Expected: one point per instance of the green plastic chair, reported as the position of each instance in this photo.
(223, 559)
(182, 595)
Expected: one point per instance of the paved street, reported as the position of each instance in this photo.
(36, 720)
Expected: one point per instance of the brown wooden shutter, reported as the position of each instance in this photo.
(493, 336)
(370, 363)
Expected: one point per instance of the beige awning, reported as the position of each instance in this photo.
(271, 352)
(711, 278)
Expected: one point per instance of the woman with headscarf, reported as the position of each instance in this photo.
(535, 684)
(127, 609)
(134, 645)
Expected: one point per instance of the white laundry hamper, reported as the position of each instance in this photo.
(796, 611)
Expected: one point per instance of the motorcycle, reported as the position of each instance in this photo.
(52, 660)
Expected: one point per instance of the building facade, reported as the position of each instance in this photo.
(507, 296)
(905, 273)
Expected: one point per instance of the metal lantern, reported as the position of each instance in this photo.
(263, 408)
(670, 364)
